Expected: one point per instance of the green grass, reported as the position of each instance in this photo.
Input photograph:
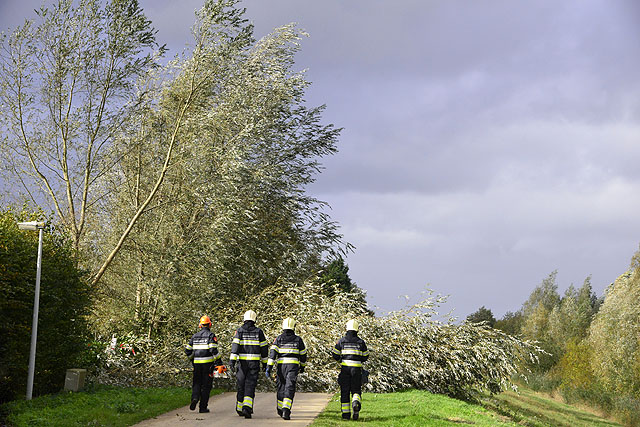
(421, 408)
(530, 408)
(413, 408)
(97, 406)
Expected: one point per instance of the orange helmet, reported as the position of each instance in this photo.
(204, 321)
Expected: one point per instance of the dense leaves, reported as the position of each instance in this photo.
(615, 335)
(64, 301)
(483, 314)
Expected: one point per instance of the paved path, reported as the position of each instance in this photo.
(306, 406)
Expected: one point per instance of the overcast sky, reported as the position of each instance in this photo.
(485, 143)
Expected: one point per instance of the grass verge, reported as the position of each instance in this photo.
(413, 408)
(534, 409)
(96, 406)
(421, 408)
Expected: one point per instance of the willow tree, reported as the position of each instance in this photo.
(614, 335)
(232, 215)
(67, 86)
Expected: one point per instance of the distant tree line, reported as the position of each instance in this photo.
(592, 344)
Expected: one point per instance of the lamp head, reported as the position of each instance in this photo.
(31, 225)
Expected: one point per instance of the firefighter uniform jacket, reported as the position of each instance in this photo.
(203, 348)
(288, 348)
(249, 344)
(351, 351)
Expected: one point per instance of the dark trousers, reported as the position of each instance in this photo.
(350, 381)
(247, 379)
(287, 376)
(202, 383)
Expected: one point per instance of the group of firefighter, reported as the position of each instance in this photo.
(251, 354)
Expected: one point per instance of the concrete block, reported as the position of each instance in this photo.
(74, 380)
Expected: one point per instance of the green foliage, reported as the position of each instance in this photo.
(64, 301)
(483, 314)
(555, 321)
(542, 300)
(615, 335)
(336, 272)
(544, 295)
(574, 368)
(96, 405)
(511, 323)
(570, 320)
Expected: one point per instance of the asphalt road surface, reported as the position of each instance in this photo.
(306, 406)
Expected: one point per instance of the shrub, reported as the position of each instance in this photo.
(574, 368)
(64, 300)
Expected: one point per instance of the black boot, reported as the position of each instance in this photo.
(204, 410)
(346, 415)
(194, 402)
(356, 409)
(286, 414)
(240, 413)
(246, 411)
(279, 411)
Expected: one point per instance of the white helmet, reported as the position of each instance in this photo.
(288, 323)
(353, 325)
(250, 315)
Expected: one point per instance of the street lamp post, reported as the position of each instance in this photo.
(34, 225)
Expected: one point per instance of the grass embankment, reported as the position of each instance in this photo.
(421, 408)
(96, 406)
(533, 409)
(413, 408)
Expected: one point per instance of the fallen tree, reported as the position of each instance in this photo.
(409, 348)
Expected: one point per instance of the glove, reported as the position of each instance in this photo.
(301, 369)
(232, 365)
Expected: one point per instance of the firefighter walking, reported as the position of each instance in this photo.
(249, 350)
(203, 352)
(351, 351)
(290, 355)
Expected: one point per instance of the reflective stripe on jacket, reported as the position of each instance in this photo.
(249, 343)
(203, 347)
(288, 348)
(351, 350)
